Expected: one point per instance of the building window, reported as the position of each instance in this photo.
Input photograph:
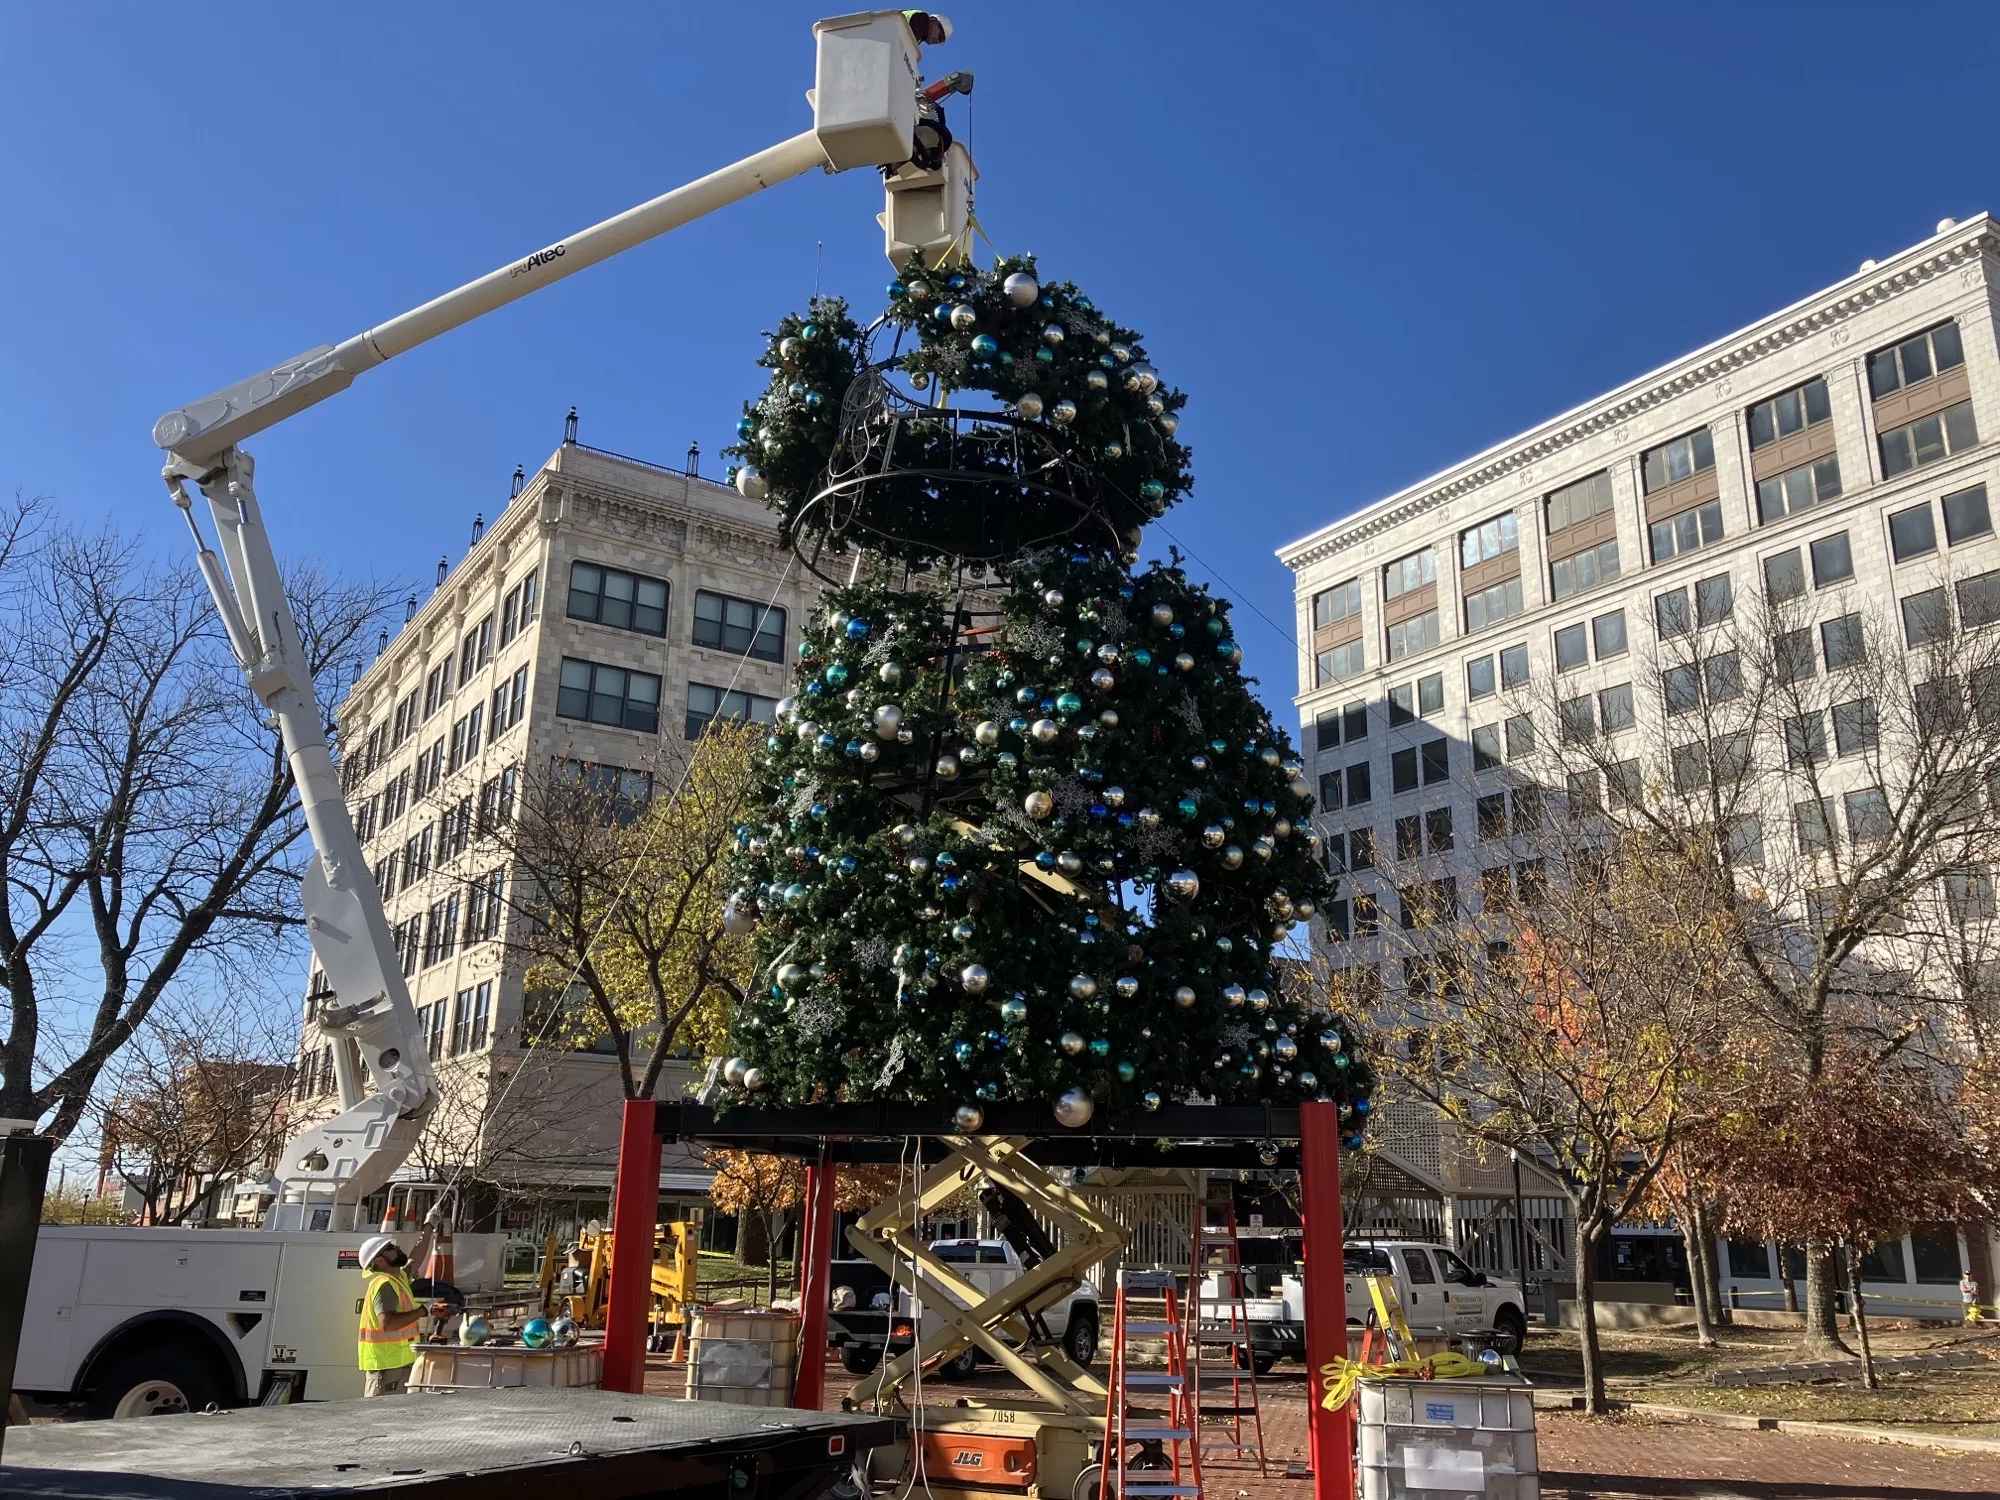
(1832, 560)
(1805, 739)
(1336, 726)
(1339, 664)
(1785, 576)
(509, 705)
(1868, 815)
(1797, 489)
(1513, 666)
(1575, 503)
(1336, 603)
(1714, 599)
(1402, 772)
(1490, 816)
(1406, 573)
(1430, 695)
(1912, 533)
(1979, 600)
(1813, 819)
(1479, 679)
(1928, 439)
(624, 601)
(437, 687)
(1614, 706)
(1486, 541)
(1929, 353)
(1414, 635)
(1683, 458)
(1926, 617)
(707, 704)
(600, 694)
(1965, 515)
(1794, 656)
(1686, 531)
(1402, 705)
(1854, 729)
(1969, 897)
(1586, 570)
(1409, 837)
(1572, 644)
(1842, 642)
(1576, 719)
(1486, 754)
(465, 737)
(738, 626)
(1607, 634)
(1671, 615)
(1436, 760)
(517, 609)
(1437, 830)
(1789, 412)
(1520, 736)
(1745, 839)
(1503, 601)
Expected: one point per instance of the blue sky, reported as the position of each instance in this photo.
(1367, 240)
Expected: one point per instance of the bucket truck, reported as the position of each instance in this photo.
(143, 1320)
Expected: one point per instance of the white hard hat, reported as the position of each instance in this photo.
(373, 1246)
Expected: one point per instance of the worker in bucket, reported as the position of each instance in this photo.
(391, 1317)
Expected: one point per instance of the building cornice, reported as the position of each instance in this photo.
(1709, 367)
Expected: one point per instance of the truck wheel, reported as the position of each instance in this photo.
(1512, 1330)
(860, 1359)
(960, 1366)
(1080, 1339)
(155, 1382)
(1259, 1364)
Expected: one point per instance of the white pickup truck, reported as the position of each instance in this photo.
(863, 1333)
(139, 1322)
(1441, 1295)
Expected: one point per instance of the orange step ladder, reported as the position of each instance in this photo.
(1223, 1321)
(1148, 1306)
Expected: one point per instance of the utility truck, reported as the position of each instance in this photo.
(155, 1320)
(1442, 1297)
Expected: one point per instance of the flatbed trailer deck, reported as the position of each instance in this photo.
(450, 1446)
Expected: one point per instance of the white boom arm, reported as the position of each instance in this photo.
(865, 113)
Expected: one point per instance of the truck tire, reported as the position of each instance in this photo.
(156, 1381)
(1511, 1329)
(860, 1359)
(960, 1366)
(1080, 1337)
(1258, 1364)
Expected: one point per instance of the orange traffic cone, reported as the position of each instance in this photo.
(442, 1267)
(389, 1224)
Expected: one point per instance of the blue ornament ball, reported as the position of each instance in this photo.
(857, 630)
(984, 345)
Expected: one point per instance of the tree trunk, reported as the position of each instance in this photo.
(772, 1230)
(1868, 1378)
(1822, 1331)
(1711, 1267)
(753, 1238)
(1700, 1285)
(1785, 1276)
(1583, 1265)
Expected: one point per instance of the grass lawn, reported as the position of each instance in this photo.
(1664, 1365)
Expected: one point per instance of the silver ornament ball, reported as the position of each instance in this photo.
(968, 1117)
(1074, 1108)
(1021, 289)
(975, 978)
(1028, 404)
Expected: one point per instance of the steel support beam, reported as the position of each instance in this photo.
(1330, 1432)
(635, 1212)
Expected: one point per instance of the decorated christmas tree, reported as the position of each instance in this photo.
(1028, 833)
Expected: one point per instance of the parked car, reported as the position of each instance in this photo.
(1441, 1295)
(864, 1334)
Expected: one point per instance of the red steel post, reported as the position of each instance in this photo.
(635, 1213)
(1331, 1433)
(815, 1283)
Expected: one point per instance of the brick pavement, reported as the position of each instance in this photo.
(1623, 1457)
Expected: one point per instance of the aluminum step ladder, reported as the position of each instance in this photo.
(1222, 1322)
(1148, 1306)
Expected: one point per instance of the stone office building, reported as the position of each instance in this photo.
(611, 603)
(1837, 454)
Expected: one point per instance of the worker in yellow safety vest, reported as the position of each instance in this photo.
(390, 1315)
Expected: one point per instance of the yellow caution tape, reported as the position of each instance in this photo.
(1339, 1377)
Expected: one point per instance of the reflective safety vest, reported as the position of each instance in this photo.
(381, 1349)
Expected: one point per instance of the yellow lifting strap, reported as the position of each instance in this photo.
(1339, 1377)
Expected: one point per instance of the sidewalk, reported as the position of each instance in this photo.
(1622, 1457)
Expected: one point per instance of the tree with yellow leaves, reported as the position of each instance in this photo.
(750, 1184)
(1576, 1019)
(620, 886)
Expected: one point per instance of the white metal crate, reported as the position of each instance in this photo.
(1433, 1439)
